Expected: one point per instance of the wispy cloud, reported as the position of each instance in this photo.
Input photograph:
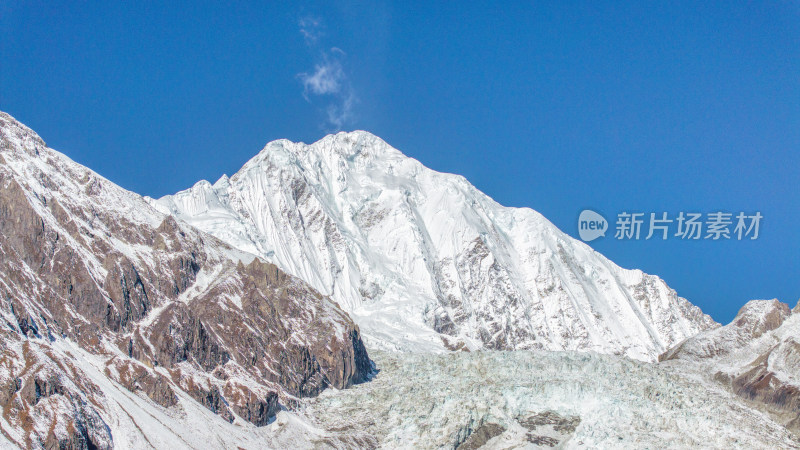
(311, 29)
(341, 113)
(328, 84)
(327, 78)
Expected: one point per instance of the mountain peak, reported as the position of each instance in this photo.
(344, 142)
(343, 151)
(425, 261)
(355, 134)
(760, 309)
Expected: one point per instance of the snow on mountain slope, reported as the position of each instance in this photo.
(424, 261)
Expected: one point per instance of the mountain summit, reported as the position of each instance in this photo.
(424, 261)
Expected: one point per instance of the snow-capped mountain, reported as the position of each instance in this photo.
(424, 261)
(121, 327)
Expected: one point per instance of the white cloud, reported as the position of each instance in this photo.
(326, 79)
(340, 114)
(328, 84)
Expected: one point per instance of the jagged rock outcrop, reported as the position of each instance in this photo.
(162, 308)
(757, 355)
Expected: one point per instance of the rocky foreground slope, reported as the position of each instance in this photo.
(424, 261)
(91, 272)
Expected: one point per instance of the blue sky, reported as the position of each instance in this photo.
(558, 106)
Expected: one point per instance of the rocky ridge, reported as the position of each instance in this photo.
(170, 311)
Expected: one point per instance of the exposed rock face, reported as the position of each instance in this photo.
(757, 355)
(135, 376)
(549, 428)
(481, 436)
(46, 399)
(164, 307)
(425, 261)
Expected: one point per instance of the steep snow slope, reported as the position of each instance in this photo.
(425, 261)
